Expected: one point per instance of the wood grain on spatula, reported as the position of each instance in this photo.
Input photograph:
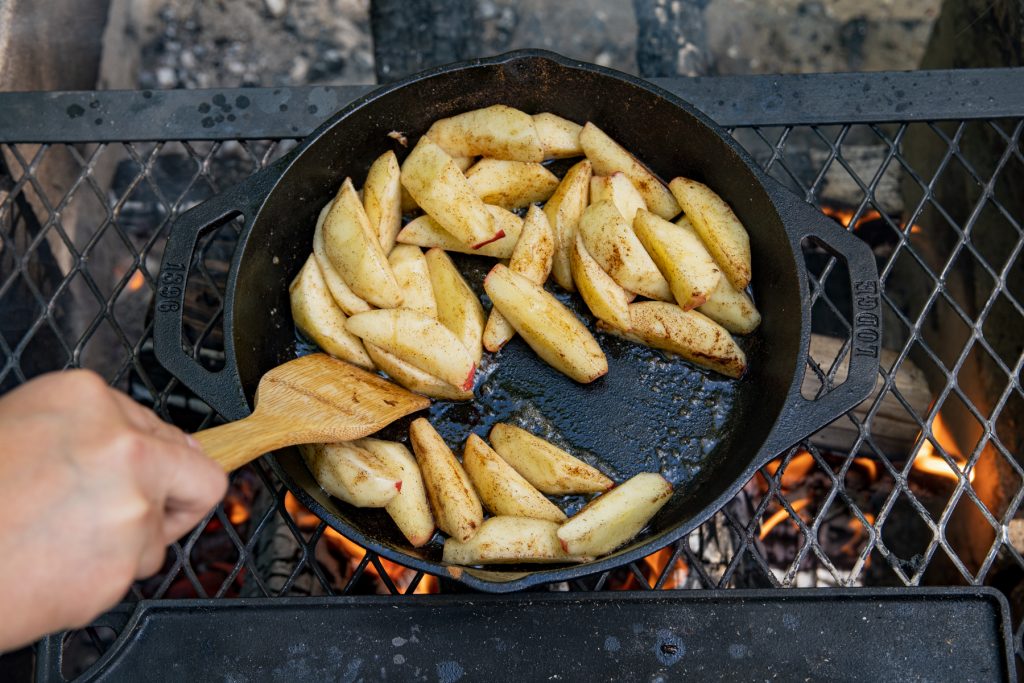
(312, 399)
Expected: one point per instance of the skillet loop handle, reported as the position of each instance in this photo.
(802, 416)
(221, 390)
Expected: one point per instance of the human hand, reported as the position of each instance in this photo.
(93, 487)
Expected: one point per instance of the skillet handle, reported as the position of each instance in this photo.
(803, 417)
(221, 390)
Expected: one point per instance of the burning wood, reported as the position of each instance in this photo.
(804, 486)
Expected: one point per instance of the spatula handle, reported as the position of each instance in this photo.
(237, 443)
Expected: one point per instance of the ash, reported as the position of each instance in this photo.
(257, 43)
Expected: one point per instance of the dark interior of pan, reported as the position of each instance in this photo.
(650, 412)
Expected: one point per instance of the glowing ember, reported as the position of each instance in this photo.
(136, 281)
(775, 519)
(928, 459)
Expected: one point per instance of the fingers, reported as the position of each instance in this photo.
(187, 483)
(194, 487)
(152, 560)
(147, 422)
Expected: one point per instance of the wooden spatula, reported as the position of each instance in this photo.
(312, 399)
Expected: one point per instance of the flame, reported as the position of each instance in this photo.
(236, 510)
(400, 576)
(136, 281)
(657, 562)
(795, 472)
(869, 466)
(928, 460)
(775, 519)
(845, 216)
(859, 532)
(428, 584)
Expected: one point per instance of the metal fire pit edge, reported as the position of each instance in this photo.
(910, 634)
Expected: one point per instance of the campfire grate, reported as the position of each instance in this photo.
(920, 485)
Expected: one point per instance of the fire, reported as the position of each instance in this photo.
(928, 459)
(656, 564)
(795, 472)
(869, 466)
(653, 566)
(845, 217)
(428, 584)
(775, 519)
(136, 281)
(400, 576)
(859, 532)
(236, 510)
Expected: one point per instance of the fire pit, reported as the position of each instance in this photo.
(919, 486)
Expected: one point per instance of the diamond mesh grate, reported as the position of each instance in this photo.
(884, 496)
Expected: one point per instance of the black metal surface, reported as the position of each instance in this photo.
(259, 113)
(863, 635)
(75, 313)
(615, 418)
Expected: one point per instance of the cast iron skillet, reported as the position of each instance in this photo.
(706, 434)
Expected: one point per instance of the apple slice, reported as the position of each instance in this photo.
(458, 309)
(498, 131)
(382, 199)
(618, 188)
(318, 316)
(551, 329)
(503, 490)
(603, 296)
(532, 259)
(616, 517)
(414, 379)
(455, 504)
(353, 474)
(563, 211)
(511, 184)
(718, 227)
(610, 239)
(690, 334)
(559, 137)
(731, 308)
(410, 509)
(608, 156)
(510, 540)
(419, 340)
(680, 256)
(550, 469)
(425, 232)
(354, 251)
(413, 277)
(342, 293)
(440, 189)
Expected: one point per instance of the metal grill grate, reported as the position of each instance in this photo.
(82, 227)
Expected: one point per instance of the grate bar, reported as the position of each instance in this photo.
(264, 113)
